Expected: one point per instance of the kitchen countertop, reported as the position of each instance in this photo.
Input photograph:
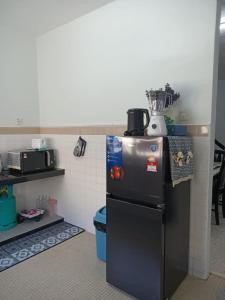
(7, 179)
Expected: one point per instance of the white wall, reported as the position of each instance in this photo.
(18, 79)
(220, 112)
(93, 69)
(90, 72)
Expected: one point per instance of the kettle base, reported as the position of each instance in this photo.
(134, 133)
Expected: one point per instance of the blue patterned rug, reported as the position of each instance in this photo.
(23, 248)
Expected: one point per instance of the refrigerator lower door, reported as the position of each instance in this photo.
(135, 249)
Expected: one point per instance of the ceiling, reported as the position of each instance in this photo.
(36, 17)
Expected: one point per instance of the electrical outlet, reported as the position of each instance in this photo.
(183, 116)
(19, 121)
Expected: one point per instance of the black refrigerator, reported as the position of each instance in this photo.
(147, 219)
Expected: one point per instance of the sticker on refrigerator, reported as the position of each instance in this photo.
(151, 165)
(114, 157)
(153, 147)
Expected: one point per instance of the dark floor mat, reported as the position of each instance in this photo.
(32, 244)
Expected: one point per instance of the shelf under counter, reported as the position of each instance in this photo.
(28, 227)
(15, 179)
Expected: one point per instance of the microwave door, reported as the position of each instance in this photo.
(33, 161)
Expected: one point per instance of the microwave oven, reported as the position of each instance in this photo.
(29, 161)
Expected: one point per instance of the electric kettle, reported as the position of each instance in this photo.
(135, 122)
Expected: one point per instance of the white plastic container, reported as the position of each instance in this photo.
(39, 143)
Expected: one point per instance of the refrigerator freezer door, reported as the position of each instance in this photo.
(136, 168)
(135, 249)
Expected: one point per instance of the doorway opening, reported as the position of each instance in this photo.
(217, 245)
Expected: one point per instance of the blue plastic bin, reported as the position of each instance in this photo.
(100, 226)
(177, 130)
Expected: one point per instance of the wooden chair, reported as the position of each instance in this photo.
(219, 144)
(218, 196)
(219, 155)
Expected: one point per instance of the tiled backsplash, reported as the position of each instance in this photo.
(82, 190)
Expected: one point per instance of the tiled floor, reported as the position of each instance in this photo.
(71, 271)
